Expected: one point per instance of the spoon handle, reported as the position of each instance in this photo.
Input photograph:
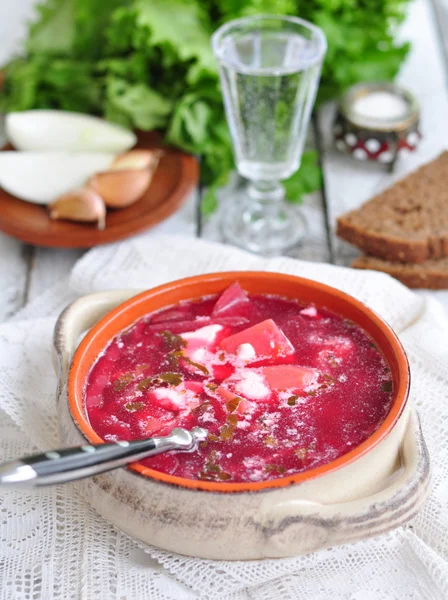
(69, 464)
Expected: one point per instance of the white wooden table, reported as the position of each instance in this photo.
(27, 271)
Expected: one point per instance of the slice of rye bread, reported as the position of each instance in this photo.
(408, 222)
(431, 274)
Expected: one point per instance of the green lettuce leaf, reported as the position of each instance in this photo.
(54, 31)
(148, 64)
(306, 180)
(19, 90)
(209, 201)
(142, 107)
(179, 25)
(92, 21)
(48, 82)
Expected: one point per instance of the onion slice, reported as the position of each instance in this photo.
(66, 131)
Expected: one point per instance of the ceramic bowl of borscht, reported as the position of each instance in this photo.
(302, 389)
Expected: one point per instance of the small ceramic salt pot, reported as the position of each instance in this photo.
(377, 122)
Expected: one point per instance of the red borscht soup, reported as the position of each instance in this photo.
(280, 386)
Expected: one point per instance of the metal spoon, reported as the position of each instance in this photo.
(69, 464)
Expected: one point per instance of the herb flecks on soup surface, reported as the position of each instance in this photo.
(281, 387)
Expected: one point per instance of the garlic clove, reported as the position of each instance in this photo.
(137, 159)
(83, 205)
(121, 188)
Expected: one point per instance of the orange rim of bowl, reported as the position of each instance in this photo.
(192, 288)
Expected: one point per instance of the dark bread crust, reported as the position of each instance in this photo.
(408, 222)
(431, 274)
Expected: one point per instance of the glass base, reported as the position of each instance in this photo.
(267, 228)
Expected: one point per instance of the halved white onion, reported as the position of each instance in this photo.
(66, 131)
(41, 177)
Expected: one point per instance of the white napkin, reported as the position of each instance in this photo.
(54, 546)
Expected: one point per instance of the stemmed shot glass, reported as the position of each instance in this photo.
(269, 68)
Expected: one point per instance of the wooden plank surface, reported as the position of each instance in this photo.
(440, 8)
(14, 270)
(48, 266)
(315, 246)
(27, 272)
(14, 16)
(13, 276)
(350, 183)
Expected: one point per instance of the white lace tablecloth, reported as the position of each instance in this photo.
(53, 546)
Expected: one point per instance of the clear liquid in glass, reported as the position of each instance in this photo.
(268, 113)
(269, 69)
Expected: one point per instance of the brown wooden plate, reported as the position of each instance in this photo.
(174, 178)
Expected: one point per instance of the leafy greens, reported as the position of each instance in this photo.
(148, 64)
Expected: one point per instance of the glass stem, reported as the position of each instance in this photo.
(267, 196)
